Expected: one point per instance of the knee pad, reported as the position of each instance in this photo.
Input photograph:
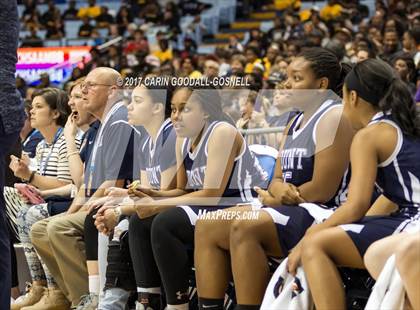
(120, 272)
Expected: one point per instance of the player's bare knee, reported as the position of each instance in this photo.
(241, 230)
(371, 257)
(203, 230)
(312, 246)
(407, 253)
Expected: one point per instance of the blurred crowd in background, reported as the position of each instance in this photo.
(348, 28)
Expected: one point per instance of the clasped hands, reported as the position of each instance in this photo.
(279, 193)
(136, 197)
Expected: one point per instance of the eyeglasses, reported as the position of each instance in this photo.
(89, 85)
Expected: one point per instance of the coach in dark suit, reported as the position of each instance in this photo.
(11, 121)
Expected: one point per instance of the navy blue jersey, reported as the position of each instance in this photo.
(160, 156)
(88, 140)
(246, 172)
(298, 153)
(31, 142)
(398, 177)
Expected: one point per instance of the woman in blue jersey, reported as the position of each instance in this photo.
(386, 151)
(215, 170)
(150, 107)
(308, 169)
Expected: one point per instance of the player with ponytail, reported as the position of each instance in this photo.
(385, 152)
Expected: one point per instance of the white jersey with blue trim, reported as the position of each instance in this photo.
(398, 177)
(298, 153)
(159, 156)
(246, 173)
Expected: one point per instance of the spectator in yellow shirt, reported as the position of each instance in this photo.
(272, 52)
(252, 58)
(188, 66)
(331, 11)
(164, 53)
(91, 11)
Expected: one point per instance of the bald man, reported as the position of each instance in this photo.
(61, 240)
